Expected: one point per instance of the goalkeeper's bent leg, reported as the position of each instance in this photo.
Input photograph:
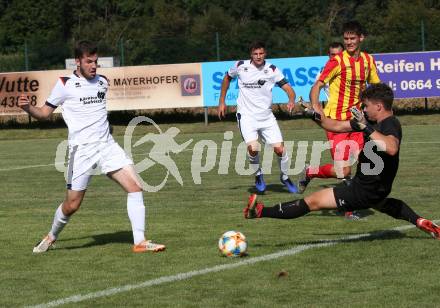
(398, 209)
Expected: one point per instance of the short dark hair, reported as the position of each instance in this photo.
(85, 48)
(256, 45)
(336, 45)
(353, 27)
(379, 92)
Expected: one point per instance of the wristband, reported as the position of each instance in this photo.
(369, 129)
(316, 117)
(355, 125)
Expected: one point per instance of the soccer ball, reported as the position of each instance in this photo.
(232, 244)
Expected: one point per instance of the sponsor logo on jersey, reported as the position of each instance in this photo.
(99, 98)
(251, 85)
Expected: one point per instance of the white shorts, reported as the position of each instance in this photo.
(251, 129)
(86, 160)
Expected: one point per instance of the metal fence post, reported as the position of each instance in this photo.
(320, 43)
(422, 34)
(217, 48)
(217, 44)
(121, 47)
(26, 68)
(26, 57)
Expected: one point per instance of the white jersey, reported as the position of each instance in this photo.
(255, 87)
(83, 106)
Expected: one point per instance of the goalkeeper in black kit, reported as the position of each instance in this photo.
(376, 170)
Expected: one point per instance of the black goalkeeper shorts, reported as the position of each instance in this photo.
(355, 197)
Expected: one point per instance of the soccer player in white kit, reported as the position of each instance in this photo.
(82, 99)
(256, 78)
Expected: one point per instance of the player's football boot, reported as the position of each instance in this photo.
(260, 185)
(290, 186)
(352, 216)
(303, 180)
(253, 208)
(429, 227)
(148, 246)
(43, 245)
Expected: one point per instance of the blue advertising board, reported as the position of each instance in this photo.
(413, 74)
(410, 74)
(300, 72)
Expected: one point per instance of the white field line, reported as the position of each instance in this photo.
(214, 269)
(186, 150)
(26, 167)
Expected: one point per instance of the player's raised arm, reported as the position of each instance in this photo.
(388, 143)
(221, 104)
(39, 113)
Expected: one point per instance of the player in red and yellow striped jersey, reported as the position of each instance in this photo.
(346, 74)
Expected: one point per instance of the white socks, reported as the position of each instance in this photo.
(59, 221)
(136, 213)
(283, 161)
(254, 162)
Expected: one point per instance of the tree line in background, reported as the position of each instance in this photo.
(36, 34)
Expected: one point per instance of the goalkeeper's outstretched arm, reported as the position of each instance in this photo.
(388, 143)
(326, 123)
(335, 126)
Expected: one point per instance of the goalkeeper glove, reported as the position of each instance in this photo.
(357, 114)
(358, 123)
(309, 112)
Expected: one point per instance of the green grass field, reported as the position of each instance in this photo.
(391, 268)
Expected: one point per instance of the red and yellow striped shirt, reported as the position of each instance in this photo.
(347, 77)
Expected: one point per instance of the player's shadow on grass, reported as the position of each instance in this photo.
(381, 235)
(270, 187)
(353, 238)
(102, 239)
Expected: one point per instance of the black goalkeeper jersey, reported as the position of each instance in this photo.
(381, 181)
